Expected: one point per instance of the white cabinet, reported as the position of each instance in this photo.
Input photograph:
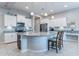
(58, 22)
(20, 18)
(9, 20)
(27, 21)
(10, 37)
(43, 21)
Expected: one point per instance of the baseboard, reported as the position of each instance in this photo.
(9, 42)
(25, 50)
(34, 51)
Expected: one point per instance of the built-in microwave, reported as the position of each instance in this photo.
(20, 27)
(44, 27)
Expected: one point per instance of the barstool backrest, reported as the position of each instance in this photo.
(59, 35)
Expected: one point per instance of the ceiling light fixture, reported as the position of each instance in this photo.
(32, 13)
(51, 10)
(65, 6)
(45, 14)
(27, 7)
(52, 17)
(41, 13)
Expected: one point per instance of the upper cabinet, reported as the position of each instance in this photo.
(9, 20)
(20, 18)
(44, 21)
(27, 21)
(58, 22)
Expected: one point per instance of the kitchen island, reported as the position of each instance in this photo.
(34, 41)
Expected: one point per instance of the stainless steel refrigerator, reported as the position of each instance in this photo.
(44, 27)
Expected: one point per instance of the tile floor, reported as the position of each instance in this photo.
(70, 49)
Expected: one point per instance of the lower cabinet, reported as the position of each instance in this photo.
(18, 41)
(10, 37)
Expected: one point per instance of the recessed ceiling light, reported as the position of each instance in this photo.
(52, 17)
(45, 14)
(65, 6)
(32, 13)
(27, 7)
(41, 13)
(51, 10)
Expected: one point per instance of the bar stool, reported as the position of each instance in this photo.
(56, 42)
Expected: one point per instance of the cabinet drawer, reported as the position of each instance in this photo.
(10, 37)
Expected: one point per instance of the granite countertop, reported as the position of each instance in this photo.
(69, 30)
(34, 33)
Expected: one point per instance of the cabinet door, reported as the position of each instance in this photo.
(20, 18)
(27, 21)
(43, 21)
(58, 22)
(9, 20)
(10, 37)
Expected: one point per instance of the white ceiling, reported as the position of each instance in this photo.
(40, 7)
